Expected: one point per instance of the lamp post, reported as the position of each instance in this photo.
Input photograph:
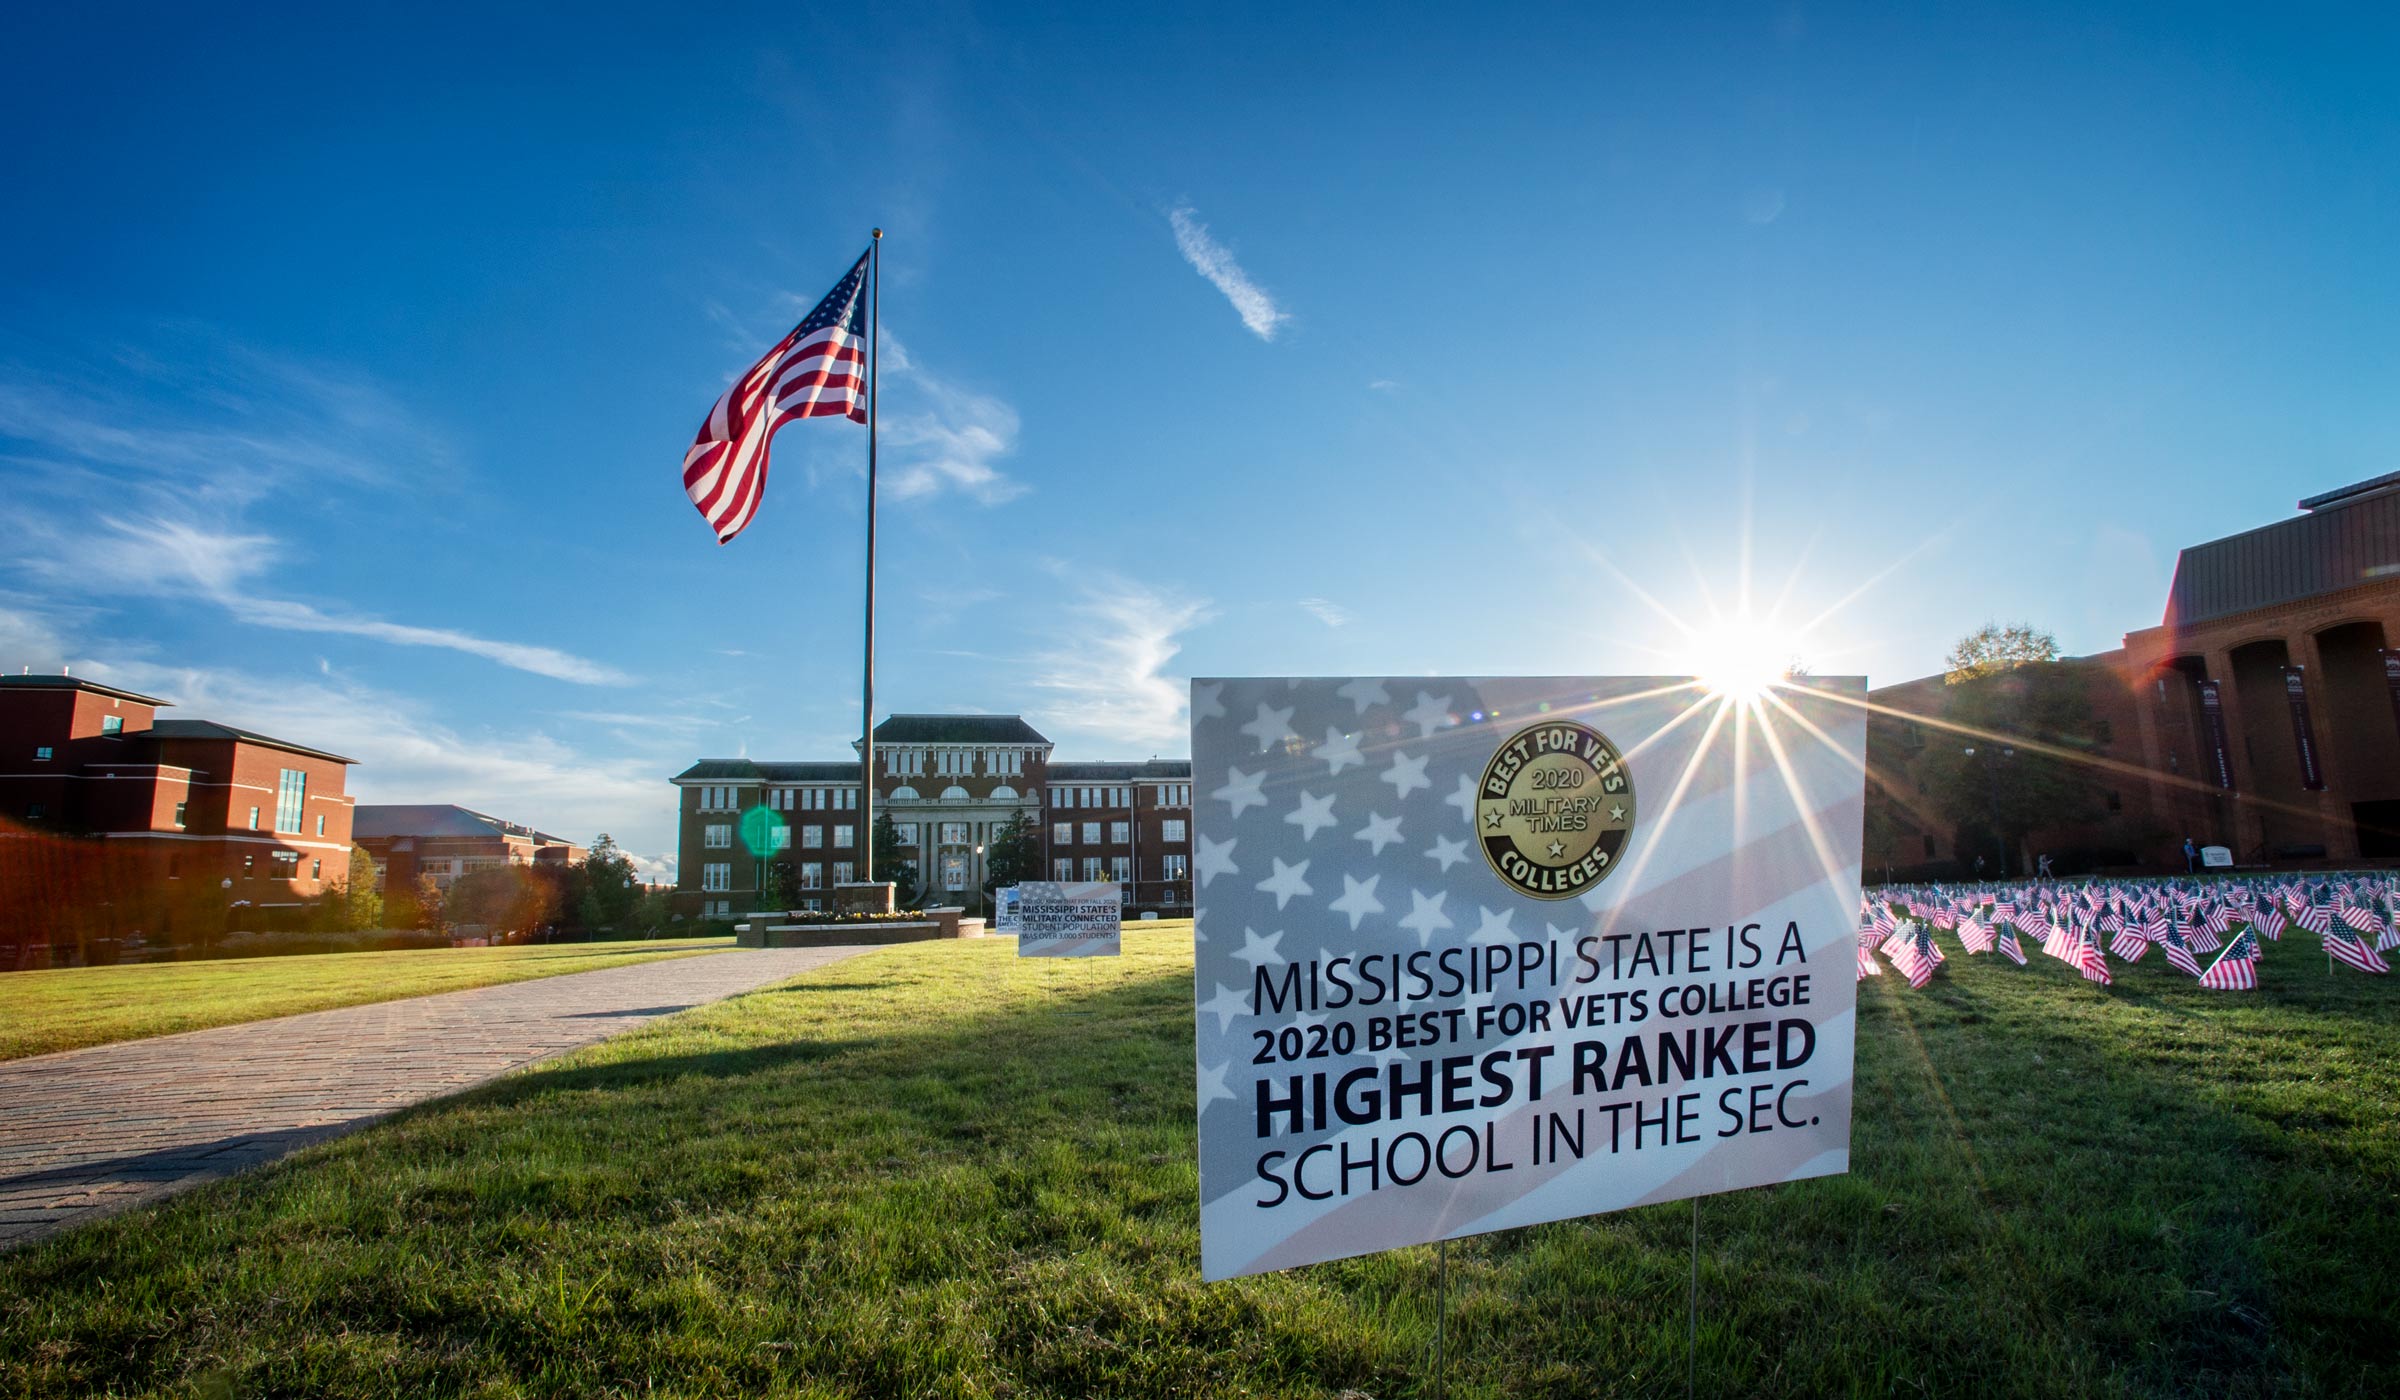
(1991, 768)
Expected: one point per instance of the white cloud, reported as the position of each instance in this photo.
(1109, 669)
(1327, 611)
(1383, 386)
(172, 558)
(1214, 261)
(938, 436)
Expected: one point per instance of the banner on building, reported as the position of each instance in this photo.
(2212, 720)
(1004, 910)
(1481, 953)
(1068, 918)
(2304, 737)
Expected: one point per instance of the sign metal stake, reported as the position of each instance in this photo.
(1691, 1312)
(1441, 1315)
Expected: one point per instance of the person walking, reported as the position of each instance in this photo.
(2041, 867)
(2191, 857)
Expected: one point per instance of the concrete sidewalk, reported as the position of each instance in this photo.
(84, 1133)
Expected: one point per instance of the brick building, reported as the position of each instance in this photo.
(949, 783)
(179, 805)
(446, 842)
(2261, 714)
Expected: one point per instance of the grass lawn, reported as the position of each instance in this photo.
(935, 1170)
(67, 1008)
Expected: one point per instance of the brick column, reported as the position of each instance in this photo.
(2249, 831)
(2338, 830)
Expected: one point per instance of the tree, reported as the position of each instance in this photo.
(783, 884)
(362, 899)
(503, 899)
(892, 866)
(2030, 724)
(605, 890)
(1013, 856)
(1992, 648)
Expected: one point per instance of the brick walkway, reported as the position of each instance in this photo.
(84, 1133)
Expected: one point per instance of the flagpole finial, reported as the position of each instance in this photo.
(879, 235)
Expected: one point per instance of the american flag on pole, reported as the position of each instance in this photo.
(2171, 942)
(2235, 969)
(2006, 943)
(2343, 945)
(1913, 952)
(818, 371)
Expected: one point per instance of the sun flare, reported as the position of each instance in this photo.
(1740, 657)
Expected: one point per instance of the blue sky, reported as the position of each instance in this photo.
(346, 363)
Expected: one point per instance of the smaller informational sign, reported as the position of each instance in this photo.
(1004, 910)
(1068, 919)
(2216, 857)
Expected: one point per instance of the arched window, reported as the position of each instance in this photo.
(1004, 793)
(954, 793)
(904, 793)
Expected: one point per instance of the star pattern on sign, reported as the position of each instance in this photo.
(1425, 917)
(1494, 925)
(1313, 815)
(1362, 692)
(1491, 820)
(1206, 703)
(1286, 882)
(1212, 1084)
(1447, 851)
(1241, 790)
(1358, 899)
(1213, 858)
(1406, 774)
(1616, 812)
(1464, 798)
(1226, 1005)
(1558, 849)
(1379, 832)
(1339, 750)
(1258, 951)
(1428, 714)
(1272, 727)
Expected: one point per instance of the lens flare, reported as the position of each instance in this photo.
(1739, 657)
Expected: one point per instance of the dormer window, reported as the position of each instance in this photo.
(112, 724)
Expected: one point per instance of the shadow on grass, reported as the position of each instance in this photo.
(984, 1186)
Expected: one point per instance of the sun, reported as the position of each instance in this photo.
(1739, 657)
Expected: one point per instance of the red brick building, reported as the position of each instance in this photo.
(180, 805)
(949, 783)
(2261, 714)
(445, 842)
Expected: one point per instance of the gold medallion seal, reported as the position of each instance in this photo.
(1555, 809)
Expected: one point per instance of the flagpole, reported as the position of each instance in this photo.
(866, 768)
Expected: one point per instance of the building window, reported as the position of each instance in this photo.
(812, 838)
(1120, 832)
(907, 832)
(1174, 795)
(716, 876)
(174, 865)
(320, 823)
(841, 872)
(1062, 797)
(1171, 830)
(41, 753)
(1091, 867)
(291, 793)
(717, 836)
(1091, 833)
(849, 802)
(33, 811)
(1174, 867)
(812, 875)
(254, 819)
(180, 808)
(1063, 868)
(781, 840)
(316, 869)
(112, 724)
(249, 866)
(954, 833)
(1062, 833)
(845, 836)
(1120, 868)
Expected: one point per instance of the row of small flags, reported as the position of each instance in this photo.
(2358, 919)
